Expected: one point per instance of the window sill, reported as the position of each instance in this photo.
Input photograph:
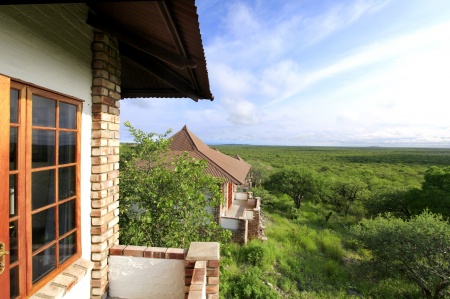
(63, 282)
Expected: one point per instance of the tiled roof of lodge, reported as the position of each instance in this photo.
(219, 165)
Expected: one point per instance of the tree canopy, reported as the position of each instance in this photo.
(164, 196)
(418, 249)
(299, 183)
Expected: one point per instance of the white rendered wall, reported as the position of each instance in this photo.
(139, 277)
(57, 58)
(229, 223)
(241, 196)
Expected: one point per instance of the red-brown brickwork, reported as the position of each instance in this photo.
(202, 263)
(105, 157)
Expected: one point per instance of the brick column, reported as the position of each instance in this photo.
(105, 157)
(209, 253)
(240, 236)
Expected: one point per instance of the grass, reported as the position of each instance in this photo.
(304, 257)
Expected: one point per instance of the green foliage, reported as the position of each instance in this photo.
(267, 199)
(402, 202)
(308, 255)
(260, 172)
(299, 183)
(418, 249)
(164, 197)
(437, 178)
(392, 200)
(331, 245)
(346, 191)
(248, 284)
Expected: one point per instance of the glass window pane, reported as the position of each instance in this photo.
(42, 188)
(13, 148)
(66, 182)
(43, 263)
(12, 196)
(44, 111)
(13, 235)
(43, 148)
(14, 284)
(43, 227)
(66, 217)
(67, 147)
(14, 106)
(67, 116)
(67, 247)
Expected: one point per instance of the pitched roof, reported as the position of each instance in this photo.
(219, 165)
(160, 45)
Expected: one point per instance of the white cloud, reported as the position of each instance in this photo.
(241, 112)
(337, 17)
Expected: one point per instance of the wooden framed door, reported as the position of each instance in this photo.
(4, 186)
(39, 186)
(12, 222)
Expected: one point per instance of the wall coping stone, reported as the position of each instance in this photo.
(201, 251)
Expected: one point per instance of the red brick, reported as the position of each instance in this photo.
(176, 253)
(137, 251)
(117, 250)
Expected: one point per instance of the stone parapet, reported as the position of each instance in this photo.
(201, 267)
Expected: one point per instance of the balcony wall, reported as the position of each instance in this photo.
(154, 272)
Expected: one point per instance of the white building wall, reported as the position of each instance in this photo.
(139, 277)
(60, 60)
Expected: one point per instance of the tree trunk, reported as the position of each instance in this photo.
(298, 201)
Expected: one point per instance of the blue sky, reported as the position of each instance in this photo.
(316, 72)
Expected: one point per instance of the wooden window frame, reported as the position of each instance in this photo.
(24, 172)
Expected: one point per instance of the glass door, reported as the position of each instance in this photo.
(5, 165)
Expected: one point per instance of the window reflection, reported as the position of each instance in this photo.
(14, 106)
(67, 247)
(67, 147)
(12, 196)
(13, 148)
(13, 235)
(67, 116)
(14, 284)
(66, 182)
(42, 188)
(43, 148)
(43, 263)
(43, 226)
(43, 112)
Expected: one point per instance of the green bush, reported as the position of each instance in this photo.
(257, 254)
(248, 284)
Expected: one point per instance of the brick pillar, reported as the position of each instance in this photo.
(208, 252)
(105, 157)
(240, 235)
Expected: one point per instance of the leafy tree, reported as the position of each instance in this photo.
(260, 172)
(437, 178)
(163, 200)
(299, 183)
(346, 191)
(390, 200)
(418, 248)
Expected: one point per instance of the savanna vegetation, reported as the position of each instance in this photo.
(163, 198)
(345, 223)
(341, 222)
